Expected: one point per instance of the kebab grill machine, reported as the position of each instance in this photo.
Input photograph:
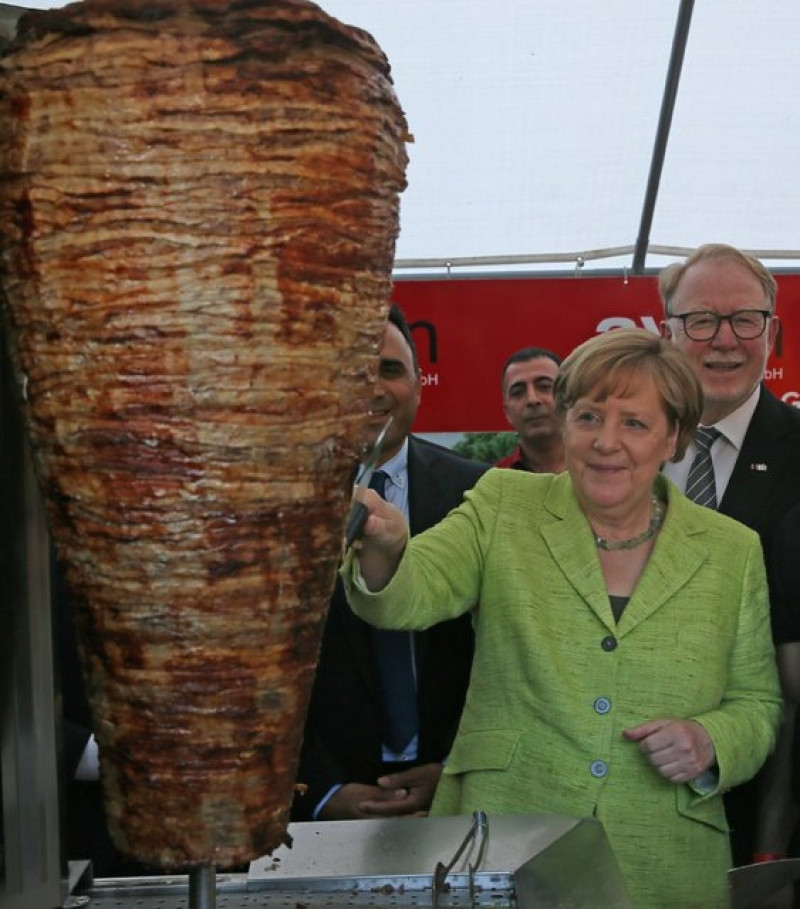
(455, 861)
(495, 861)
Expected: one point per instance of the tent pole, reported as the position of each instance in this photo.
(662, 133)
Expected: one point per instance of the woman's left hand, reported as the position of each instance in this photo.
(680, 750)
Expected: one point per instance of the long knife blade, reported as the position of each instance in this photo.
(750, 885)
(358, 511)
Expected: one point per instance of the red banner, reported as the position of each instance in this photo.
(466, 328)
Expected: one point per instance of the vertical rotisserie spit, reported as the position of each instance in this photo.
(198, 211)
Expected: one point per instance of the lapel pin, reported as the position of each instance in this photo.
(758, 465)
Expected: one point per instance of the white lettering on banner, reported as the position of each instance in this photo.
(775, 373)
(792, 397)
(431, 378)
(648, 322)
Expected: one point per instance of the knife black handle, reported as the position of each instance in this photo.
(355, 523)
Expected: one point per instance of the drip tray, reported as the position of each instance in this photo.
(528, 862)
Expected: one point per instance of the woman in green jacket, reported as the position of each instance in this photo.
(624, 667)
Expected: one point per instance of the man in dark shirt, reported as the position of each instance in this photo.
(528, 377)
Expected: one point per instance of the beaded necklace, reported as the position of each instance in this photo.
(656, 521)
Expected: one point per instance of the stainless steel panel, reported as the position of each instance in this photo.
(345, 853)
(29, 820)
(540, 861)
(579, 869)
(752, 885)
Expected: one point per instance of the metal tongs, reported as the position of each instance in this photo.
(478, 832)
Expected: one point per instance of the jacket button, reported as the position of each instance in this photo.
(598, 769)
(609, 643)
(602, 705)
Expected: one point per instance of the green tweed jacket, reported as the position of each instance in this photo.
(555, 680)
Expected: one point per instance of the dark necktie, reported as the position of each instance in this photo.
(395, 662)
(700, 484)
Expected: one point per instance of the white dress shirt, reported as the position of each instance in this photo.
(396, 492)
(724, 451)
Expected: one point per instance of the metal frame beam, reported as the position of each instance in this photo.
(674, 69)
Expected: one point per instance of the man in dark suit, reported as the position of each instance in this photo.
(785, 601)
(719, 308)
(348, 767)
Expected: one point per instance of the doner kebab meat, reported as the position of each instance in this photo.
(198, 212)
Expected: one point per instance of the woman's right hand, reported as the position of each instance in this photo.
(679, 750)
(382, 542)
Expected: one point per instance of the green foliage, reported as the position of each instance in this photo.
(486, 446)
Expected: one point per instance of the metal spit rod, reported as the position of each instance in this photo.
(203, 887)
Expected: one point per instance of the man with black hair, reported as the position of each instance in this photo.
(353, 764)
(528, 377)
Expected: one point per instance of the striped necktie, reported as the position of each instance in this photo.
(395, 663)
(700, 484)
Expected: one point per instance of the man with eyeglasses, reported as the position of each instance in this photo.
(719, 308)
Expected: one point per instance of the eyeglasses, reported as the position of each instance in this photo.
(746, 324)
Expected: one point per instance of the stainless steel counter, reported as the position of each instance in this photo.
(529, 861)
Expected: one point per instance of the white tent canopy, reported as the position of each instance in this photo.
(536, 121)
(535, 124)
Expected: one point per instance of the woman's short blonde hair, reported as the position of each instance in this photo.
(613, 362)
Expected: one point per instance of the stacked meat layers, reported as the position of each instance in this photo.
(198, 211)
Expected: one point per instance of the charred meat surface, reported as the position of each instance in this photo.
(198, 211)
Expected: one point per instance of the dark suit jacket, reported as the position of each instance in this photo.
(785, 568)
(342, 740)
(764, 485)
(765, 482)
